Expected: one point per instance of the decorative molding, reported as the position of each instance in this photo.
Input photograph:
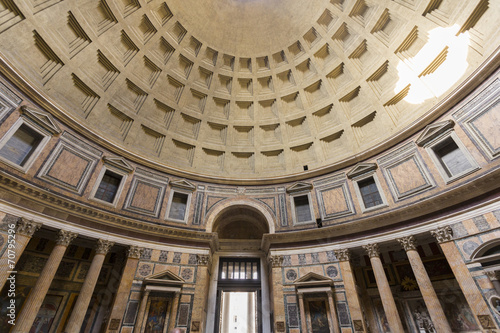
(343, 254)
(443, 234)
(361, 168)
(202, 260)
(103, 246)
(64, 237)
(492, 275)
(372, 250)
(408, 243)
(41, 119)
(432, 131)
(276, 261)
(299, 187)
(119, 163)
(134, 252)
(27, 227)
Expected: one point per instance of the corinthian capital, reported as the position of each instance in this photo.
(408, 243)
(276, 261)
(443, 234)
(103, 246)
(27, 227)
(65, 237)
(372, 250)
(343, 254)
(202, 260)
(134, 252)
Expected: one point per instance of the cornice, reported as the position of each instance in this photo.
(440, 108)
(100, 217)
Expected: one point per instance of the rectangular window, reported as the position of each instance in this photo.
(302, 208)
(21, 145)
(178, 206)
(369, 192)
(451, 158)
(108, 187)
(239, 269)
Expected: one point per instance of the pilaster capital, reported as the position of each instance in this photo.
(343, 254)
(329, 293)
(408, 243)
(65, 237)
(27, 227)
(301, 296)
(443, 234)
(134, 252)
(372, 250)
(492, 275)
(103, 246)
(276, 261)
(202, 259)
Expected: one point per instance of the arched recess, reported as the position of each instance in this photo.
(488, 253)
(227, 212)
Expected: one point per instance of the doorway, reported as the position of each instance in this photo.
(238, 312)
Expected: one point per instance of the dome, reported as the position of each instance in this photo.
(254, 90)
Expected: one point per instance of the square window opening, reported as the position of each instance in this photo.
(178, 207)
(370, 193)
(108, 187)
(21, 146)
(451, 157)
(302, 208)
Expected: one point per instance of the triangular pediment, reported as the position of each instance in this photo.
(313, 277)
(166, 278)
(360, 169)
(41, 118)
(299, 187)
(184, 184)
(118, 162)
(434, 130)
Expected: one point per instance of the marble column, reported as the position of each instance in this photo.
(344, 257)
(42, 285)
(276, 282)
(24, 230)
(173, 312)
(473, 295)
(391, 311)
(303, 321)
(142, 311)
(424, 283)
(335, 327)
(201, 290)
(82, 303)
(122, 294)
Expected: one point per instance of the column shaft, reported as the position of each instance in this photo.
(82, 303)
(173, 313)
(276, 295)
(335, 327)
(430, 298)
(37, 294)
(303, 322)
(142, 312)
(201, 291)
(122, 294)
(352, 294)
(24, 231)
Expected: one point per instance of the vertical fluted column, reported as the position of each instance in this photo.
(334, 327)
(344, 257)
(303, 322)
(42, 285)
(82, 303)
(201, 291)
(473, 295)
(391, 311)
(278, 303)
(120, 302)
(173, 313)
(424, 283)
(24, 230)
(142, 311)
